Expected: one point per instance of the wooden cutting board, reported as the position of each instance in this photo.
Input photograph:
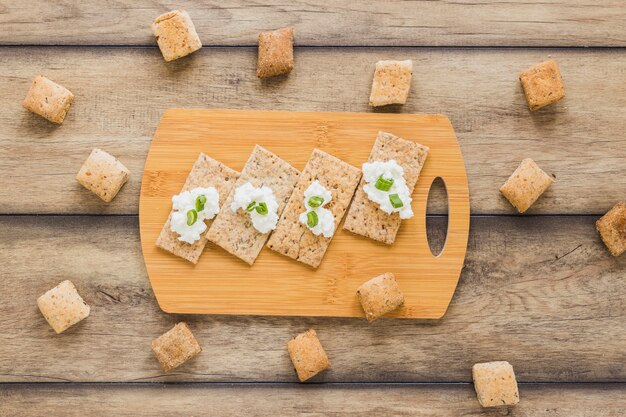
(277, 285)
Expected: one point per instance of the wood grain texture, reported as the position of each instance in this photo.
(122, 93)
(138, 400)
(276, 285)
(323, 22)
(540, 292)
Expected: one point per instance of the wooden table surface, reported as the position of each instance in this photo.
(538, 290)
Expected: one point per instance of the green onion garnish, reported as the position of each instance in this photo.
(311, 219)
(316, 201)
(251, 206)
(200, 201)
(262, 209)
(383, 184)
(395, 201)
(192, 217)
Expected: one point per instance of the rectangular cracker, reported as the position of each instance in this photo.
(364, 216)
(292, 238)
(234, 231)
(206, 172)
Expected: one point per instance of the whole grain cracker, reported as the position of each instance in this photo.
(234, 231)
(62, 306)
(48, 99)
(364, 216)
(175, 347)
(275, 53)
(103, 175)
(542, 84)
(176, 34)
(307, 355)
(391, 83)
(495, 384)
(379, 296)
(526, 185)
(292, 238)
(612, 228)
(206, 172)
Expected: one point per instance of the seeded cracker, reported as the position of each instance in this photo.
(364, 216)
(234, 231)
(206, 172)
(292, 238)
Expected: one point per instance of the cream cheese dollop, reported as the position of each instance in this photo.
(184, 202)
(389, 170)
(325, 219)
(247, 194)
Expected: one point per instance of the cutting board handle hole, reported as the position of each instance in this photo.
(437, 216)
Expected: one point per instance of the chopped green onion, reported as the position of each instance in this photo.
(383, 184)
(312, 219)
(316, 201)
(200, 201)
(262, 209)
(192, 217)
(395, 201)
(251, 206)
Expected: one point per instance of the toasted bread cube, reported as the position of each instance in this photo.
(379, 296)
(175, 347)
(63, 307)
(392, 82)
(542, 84)
(307, 355)
(526, 185)
(103, 175)
(495, 384)
(48, 99)
(275, 53)
(176, 35)
(612, 228)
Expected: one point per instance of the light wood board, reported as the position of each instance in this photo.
(276, 285)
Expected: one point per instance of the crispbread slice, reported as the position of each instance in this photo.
(364, 216)
(234, 231)
(206, 172)
(292, 238)
(62, 306)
